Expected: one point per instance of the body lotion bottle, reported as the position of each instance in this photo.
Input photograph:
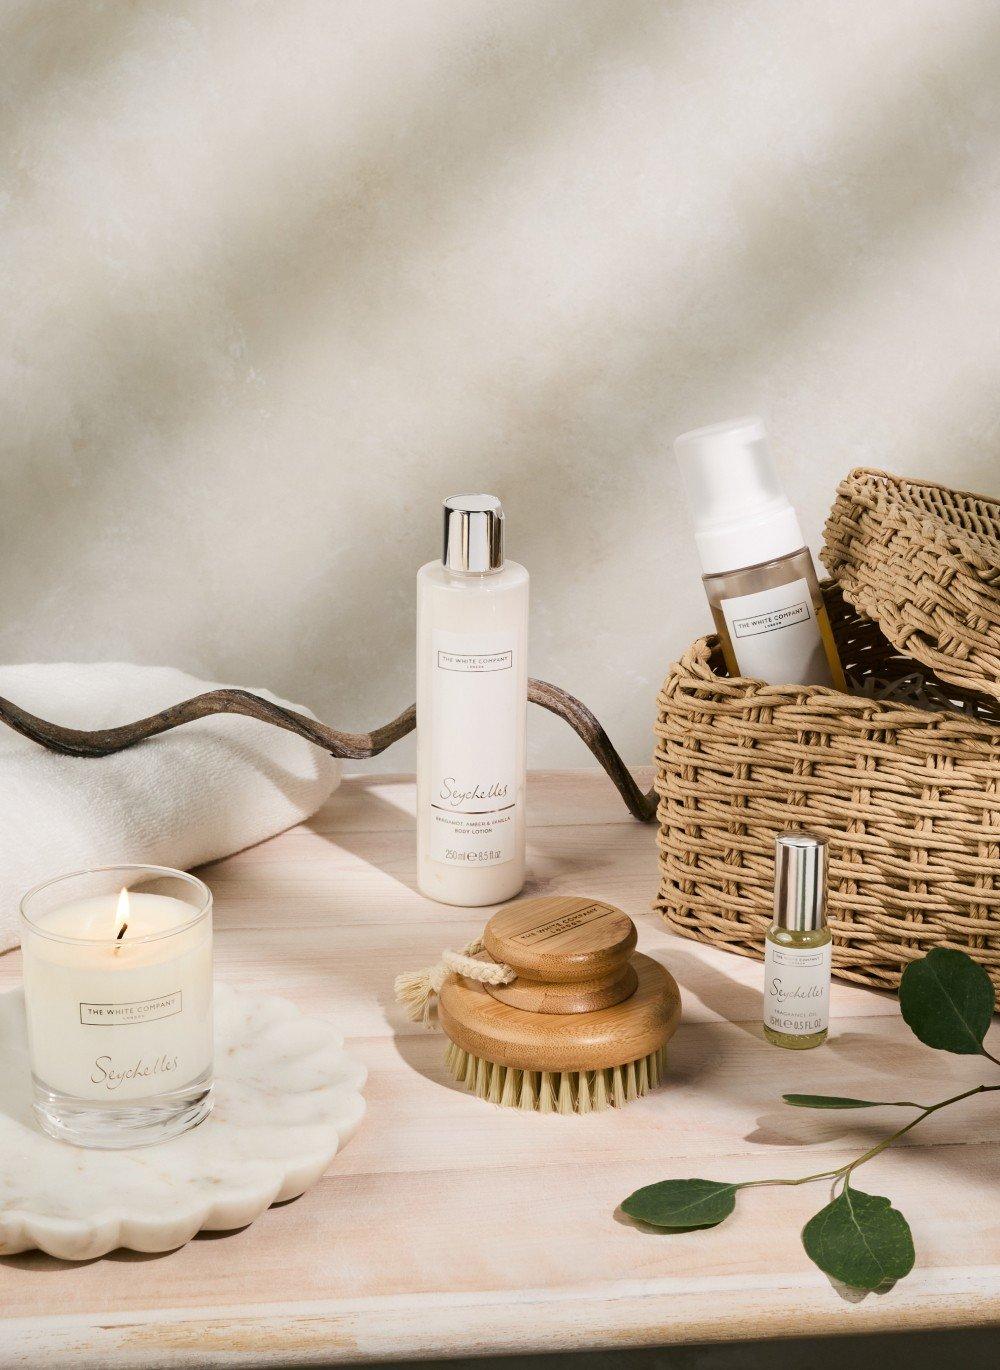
(472, 689)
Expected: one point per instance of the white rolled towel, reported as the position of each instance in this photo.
(202, 791)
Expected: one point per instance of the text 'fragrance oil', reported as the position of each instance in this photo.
(797, 948)
(472, 689)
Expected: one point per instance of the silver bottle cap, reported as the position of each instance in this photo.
(800, 881)
(473, 533)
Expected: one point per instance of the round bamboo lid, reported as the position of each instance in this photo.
(479, 1023)
(561, 939)
(571, 955)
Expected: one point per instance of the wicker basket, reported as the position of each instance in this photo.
(909, 799)
(923, 561)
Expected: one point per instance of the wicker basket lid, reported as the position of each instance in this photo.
(923, 561)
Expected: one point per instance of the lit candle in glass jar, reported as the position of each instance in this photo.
(118, 1001)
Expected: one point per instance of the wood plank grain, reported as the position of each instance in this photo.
(448, 1227)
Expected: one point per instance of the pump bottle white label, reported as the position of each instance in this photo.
(775, 635)
(474, 761)
(797, 988)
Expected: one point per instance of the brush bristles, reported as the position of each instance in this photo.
(555, 1091)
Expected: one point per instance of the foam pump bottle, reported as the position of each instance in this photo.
(472, 689)
(797, 948)
(758, 573)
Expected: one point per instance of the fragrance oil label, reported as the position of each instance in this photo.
(474, 762)
(775, 635)
(797, 988)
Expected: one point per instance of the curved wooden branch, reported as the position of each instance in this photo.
(590, 732)
(347, 746)
(104, 741)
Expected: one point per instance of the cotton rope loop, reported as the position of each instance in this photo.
(417, 990)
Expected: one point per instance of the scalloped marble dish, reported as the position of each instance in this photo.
(287, 1098)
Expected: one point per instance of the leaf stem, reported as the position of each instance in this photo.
(844, 1172)
(926, 1113)
(898, 1103)
(803, 1179)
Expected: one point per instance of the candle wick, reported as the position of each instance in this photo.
(119, 935)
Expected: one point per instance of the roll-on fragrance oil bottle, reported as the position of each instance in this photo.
(758, 573)
(472, 689)
(797, 948)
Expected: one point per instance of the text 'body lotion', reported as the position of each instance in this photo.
(472, 690)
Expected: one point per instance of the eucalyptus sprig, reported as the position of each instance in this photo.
(947, 1001)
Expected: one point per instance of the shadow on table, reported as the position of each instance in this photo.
(388, 836)
(736, 1003)
(975, 1348)
(39, 1262)
(423, 1052)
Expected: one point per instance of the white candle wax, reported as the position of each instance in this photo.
(123, 1019)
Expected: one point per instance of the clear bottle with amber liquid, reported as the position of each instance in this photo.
(758, 573)
(798, 947)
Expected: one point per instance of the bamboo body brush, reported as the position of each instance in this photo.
(574, 1022)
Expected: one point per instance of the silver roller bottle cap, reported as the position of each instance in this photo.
(473, 533)
(800, 861)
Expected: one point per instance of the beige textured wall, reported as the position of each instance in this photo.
(280, 274)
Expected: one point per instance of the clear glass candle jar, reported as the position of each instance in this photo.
(118, 1003)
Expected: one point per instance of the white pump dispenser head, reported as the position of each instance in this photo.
(741, 514)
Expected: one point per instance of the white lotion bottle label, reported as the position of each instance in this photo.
(775, 635)
(473, 777)
(797, 988)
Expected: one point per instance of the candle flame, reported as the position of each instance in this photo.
(121, 913)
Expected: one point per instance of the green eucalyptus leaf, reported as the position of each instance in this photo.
(947, 1000)
(682, 1204)
(861, 1240)
(829, 1101)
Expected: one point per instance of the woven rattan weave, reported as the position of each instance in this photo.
(908, 797)
(924, 562)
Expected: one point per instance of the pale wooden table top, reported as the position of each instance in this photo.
(448, 1227)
